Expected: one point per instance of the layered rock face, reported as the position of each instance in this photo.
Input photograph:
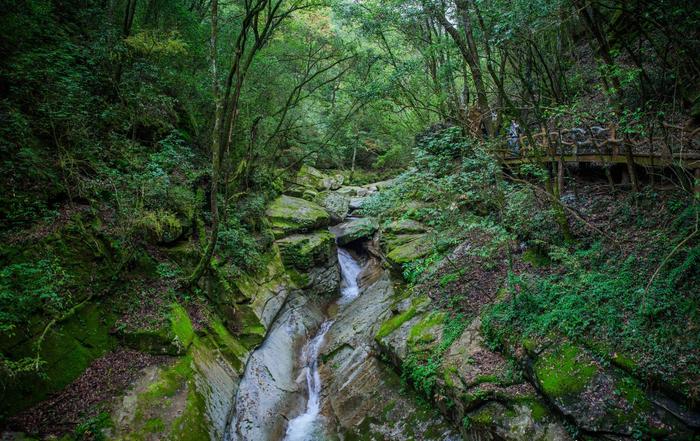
(362, 395)
(544, 389)
(472, 384)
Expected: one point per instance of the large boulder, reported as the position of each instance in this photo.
(309, 179)
(304, 251)
(353, 191)
(470, 382)
(290, 215)
(354, 229)
(416, 247)
(336, 204)
(405, 226)
(601, 398)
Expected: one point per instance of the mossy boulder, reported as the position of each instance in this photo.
(164, 404)
(419, 246)
(361, 228)
(311, 179)
(336, 204)
(303, 251)
(289, 215)
(405, 226)
(161, 227)
(602, 398)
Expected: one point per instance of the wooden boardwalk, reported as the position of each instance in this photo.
(679, 147)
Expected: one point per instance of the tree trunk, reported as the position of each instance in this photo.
(215, 151)
(468, 49)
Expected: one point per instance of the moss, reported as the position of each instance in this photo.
(300, 280)
(420, 332)
(482, 417)
(410, 251)
(230, 347)
(181, 324)
(302, 251)
(169, 382)
(294, 215)
(530, 345)
(624, 362)
(154, 425)
(564, 371)
(536, 258)
(160, 226)
(67, 350)
(192, 424)
(355, 229)
(633, 394)
(449, 375)
(170, 407)
(396, 321)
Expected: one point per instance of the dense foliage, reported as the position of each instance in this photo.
(140, 139)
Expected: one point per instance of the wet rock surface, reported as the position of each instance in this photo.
(362, 394)
(269, 391)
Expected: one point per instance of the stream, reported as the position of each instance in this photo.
(309, 425)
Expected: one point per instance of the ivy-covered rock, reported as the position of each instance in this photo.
(355, 229)
(303, 251)
(290, 215)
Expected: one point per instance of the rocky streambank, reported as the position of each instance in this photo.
(360, 395)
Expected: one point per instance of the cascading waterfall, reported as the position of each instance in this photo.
(349, 270)
(308, 426)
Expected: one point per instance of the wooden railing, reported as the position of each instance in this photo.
(675, 145)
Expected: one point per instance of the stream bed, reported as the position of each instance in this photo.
(316, 376)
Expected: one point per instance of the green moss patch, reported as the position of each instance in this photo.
(396, 321)
(302, 251)
(564, 371)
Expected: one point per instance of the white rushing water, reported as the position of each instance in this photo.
(308, 426)
(349, 270)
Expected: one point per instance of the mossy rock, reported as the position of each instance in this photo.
(336, 204)
(169, 407)
(564, 371)
(410, 251)
(426, 332)
(355, 229)
(601, 398)
(172, 337)
(229, 346)
(405, 226)
(290, 215)
(303, 251)
(161, 226)
(67, 350)
(392, 241)
(310, 177)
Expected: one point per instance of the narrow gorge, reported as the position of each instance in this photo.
(349, 220)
